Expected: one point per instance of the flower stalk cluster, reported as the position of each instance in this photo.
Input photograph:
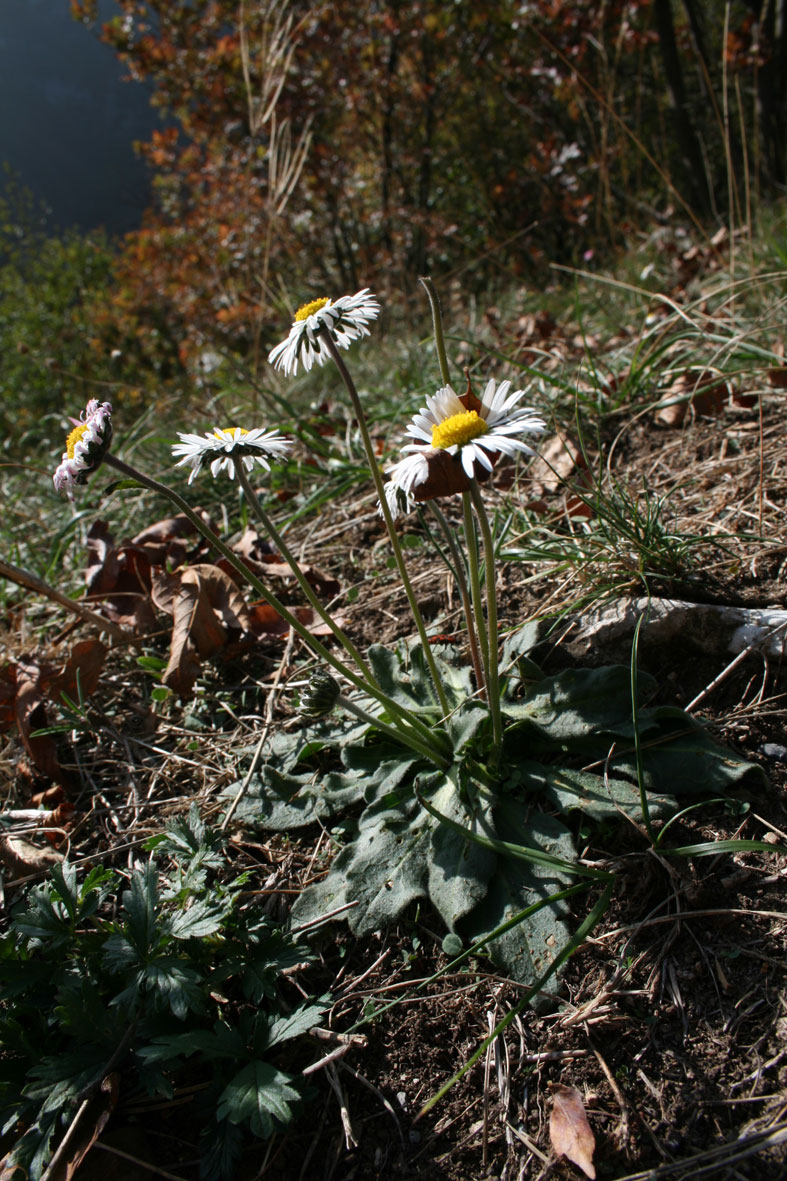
(453, 444)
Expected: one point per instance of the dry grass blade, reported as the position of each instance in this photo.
(726, 1156)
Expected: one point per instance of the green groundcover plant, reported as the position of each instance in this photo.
(454, 773)
(165, 973)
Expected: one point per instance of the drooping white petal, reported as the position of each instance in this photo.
(346, 319)
(218, 449)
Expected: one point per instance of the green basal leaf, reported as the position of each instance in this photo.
(204, 917)
(459, 868)
(526, 951)
(406, 686)
(279, 801)
(141, 908)
(219, 1042)
(465, 725)
(175, 984)
(188, 839)
(299, 1022)
(598, 797)
(579, 703)
(383, 870)
(684, 757)
(404, 676)
(258, 1095)
(516, 668)
(221, 1146)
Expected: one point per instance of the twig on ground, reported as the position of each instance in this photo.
(31, 582)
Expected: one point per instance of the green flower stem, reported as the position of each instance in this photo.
(464, 594)
(360, 713)
(437, 325)
(397, 549)
(319, 649)
(303, 583)
(493, 682)
(471, 540)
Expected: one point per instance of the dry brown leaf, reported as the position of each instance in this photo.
(569, 1130)
(267, 621)
(256, 553)
(80, 674)
(22, 859)
(31, 716)
(555, 462)
(119, 576)
(777, 376)
(206, 606)
(700, 390)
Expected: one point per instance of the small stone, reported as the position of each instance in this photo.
(774, 750)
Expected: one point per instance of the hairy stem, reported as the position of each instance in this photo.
(471, 542)
(437, 326)
(458, 572)
(267, 595)
(303, 583)
(386, 512)
(493, 682)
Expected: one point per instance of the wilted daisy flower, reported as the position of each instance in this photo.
(460, 439)
(86, 445)
(346, 319)
(219, 449)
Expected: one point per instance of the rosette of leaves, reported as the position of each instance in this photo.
(492, 849)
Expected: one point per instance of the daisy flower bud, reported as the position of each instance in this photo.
(86, 445)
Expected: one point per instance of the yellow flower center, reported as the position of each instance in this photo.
(309, 309)
(458, 429)
(229, 430)
(74, 438)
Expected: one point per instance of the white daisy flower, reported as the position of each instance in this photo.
(219, 449)
(346, 319)
(86, 445)
(460, 439)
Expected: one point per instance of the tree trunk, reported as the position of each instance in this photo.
(772, 87)
(685, 135)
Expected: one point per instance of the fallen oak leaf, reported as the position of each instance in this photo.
(703, 390)
(119, 576)
(569, 1130)
(256, 553)
(557, 459)
(49, 798)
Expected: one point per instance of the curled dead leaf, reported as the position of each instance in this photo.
(705, 391)
(119, 576)
(569, 1130)
(80, 674)
(556, 460)
(31, 717)
(206, 607)
(21, 858)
